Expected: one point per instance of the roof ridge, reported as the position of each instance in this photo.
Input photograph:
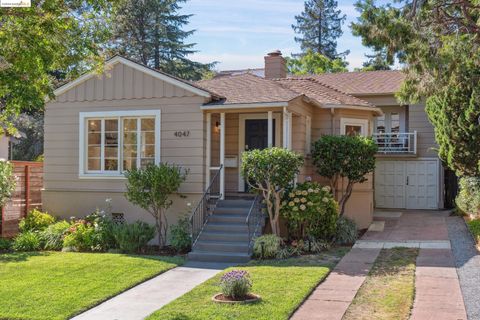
(310, 78)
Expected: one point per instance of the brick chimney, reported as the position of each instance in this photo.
(275, 65)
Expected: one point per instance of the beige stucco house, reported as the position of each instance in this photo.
(99, 126)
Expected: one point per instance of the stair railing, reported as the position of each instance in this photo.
(202, 211)
(253, 221)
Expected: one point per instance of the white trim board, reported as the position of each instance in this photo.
(244, 106)
(241, 138)
(82, 154)
(139, 67)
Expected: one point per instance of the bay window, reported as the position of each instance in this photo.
(113, 142)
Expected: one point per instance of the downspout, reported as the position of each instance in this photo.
(332, 117)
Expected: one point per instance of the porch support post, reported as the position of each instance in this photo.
(208, 153)
(287, 129)
(222, 155)
(270, 129)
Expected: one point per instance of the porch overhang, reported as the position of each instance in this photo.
(244, 106)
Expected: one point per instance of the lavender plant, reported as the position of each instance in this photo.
(236, 284)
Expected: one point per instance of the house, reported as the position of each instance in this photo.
(132, 115)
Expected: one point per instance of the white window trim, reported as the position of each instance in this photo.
(363, 123)
(82, 155)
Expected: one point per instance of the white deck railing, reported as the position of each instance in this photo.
(396, 143)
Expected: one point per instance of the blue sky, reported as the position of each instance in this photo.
(239, 33)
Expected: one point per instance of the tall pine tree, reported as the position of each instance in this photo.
(377, 61)
(319, 26)
(151, 31)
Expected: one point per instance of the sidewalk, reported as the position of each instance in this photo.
(142, 300)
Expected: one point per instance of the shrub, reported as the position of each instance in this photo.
(310, 209)
(104, 230)
(81, 237)
(133, 237)
(287, 252)
(180, 236)
(270, 171)
(150, 189)
(350, 157)
(474, 227)
(346, 231)
(5, 244)
(26, 241)
(315, 246)
(236, 284)
(52, 236)
(267, 246)
(36, 221)
(7, 182)
(468, 199)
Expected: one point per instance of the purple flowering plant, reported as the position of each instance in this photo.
(236, 284)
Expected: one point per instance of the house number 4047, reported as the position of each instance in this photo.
(180, 134)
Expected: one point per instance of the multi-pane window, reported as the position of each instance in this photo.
(116, 144)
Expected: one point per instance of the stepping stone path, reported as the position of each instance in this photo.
(437, 290)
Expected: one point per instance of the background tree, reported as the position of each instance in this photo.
(151, 188)
(151, 31)
(50, 40)
(377, 61)
(338, 157)
(7, 182)
(438, 42)
(315, 63)
(270, 171)
(30, 145)
(319, 26)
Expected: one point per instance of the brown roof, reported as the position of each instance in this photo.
(363, 82)
(247, 88)
(322, 93)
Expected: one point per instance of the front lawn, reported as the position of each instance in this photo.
(388, 291)
(282, 284)
(56, 285)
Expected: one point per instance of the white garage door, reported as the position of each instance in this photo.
(407, 184)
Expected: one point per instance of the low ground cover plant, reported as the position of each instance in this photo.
(180, 235)
(133, 237)
(27, 241)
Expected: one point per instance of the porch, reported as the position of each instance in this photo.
(231, 132)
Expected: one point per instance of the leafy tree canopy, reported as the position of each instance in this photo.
(51, 40)
(439, 43)
(319, 26)
(315, 63)
(377, 61)
(151, 31)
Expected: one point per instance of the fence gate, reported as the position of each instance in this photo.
(27, 196)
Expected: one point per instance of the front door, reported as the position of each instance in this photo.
(256, 134)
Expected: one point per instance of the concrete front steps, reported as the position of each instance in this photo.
(225, 236)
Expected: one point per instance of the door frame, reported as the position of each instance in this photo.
(439, 197)
(241, 138)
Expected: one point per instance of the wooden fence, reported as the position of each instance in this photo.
(27, 196)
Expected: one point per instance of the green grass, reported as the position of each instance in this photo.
(55, 285)
(388, 291)
(282, 284)
(474, 227)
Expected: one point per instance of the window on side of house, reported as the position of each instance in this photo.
(115, 142)
(353, 127)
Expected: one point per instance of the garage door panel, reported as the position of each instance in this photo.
(407, 184)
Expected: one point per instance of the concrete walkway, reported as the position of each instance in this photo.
(438, 295)
(142, 300)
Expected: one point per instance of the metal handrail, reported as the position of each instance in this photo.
(253, 220)
(396, 142)
(200, 214)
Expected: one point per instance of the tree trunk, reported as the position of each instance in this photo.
(345, 197)
(158, 226)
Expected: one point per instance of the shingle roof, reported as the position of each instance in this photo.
(320, 92)
(247, 88)
(363, 82)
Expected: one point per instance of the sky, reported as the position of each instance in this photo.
(238, 33)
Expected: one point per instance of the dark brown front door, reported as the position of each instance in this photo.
(256, 134)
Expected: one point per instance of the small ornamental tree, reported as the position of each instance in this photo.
(150, 188)
(350, 157)
(270, 171)
(7, 182)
